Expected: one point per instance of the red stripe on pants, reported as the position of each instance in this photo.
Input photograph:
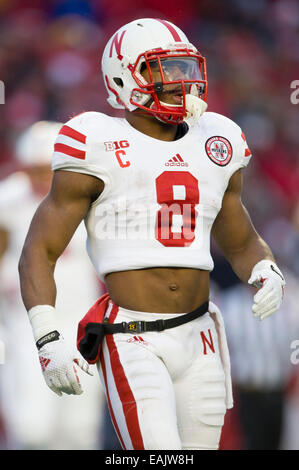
(109, 402)
(124, 391)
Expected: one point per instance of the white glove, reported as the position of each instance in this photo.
(267, 277)
(56, 358)
(57, 361)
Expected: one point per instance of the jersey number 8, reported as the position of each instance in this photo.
(178, 194)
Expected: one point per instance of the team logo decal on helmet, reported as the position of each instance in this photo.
(148, 58)
(219, 150)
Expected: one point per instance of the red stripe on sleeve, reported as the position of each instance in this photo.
(247, 150)
(171, 29)
(69, 132)
(71, 151)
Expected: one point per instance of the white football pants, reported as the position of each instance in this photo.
(165, 390)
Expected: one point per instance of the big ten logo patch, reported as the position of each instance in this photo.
(120, 154)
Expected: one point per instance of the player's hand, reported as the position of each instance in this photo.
(58, 363)
(270, 282)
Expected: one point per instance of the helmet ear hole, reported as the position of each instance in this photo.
(118, 81)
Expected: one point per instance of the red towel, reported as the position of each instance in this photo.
(90, 332)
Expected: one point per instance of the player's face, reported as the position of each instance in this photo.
(173, 69)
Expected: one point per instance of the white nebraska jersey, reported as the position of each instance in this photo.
(160, 198)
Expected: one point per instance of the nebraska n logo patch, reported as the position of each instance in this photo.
(219, 150)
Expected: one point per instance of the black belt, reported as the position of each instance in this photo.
(90, 345)
(156, 325)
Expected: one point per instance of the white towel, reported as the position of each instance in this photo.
(224, 352)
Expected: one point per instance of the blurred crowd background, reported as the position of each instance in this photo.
(50, 55)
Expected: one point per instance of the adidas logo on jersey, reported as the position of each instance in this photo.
(176, 161)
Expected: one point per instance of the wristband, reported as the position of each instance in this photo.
(53, 336)
(43, 321)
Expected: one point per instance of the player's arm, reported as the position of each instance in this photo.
(248, 254)
(51, 229)
(235, 234)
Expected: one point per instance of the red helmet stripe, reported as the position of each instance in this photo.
(170, 28)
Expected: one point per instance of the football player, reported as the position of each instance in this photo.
(152, 187)
(34, 418)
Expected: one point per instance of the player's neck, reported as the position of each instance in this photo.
(149, 125)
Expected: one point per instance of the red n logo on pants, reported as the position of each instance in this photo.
(206, 342)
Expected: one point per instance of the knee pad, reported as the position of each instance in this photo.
(207, 406)
(208, 393)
